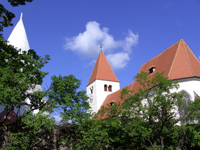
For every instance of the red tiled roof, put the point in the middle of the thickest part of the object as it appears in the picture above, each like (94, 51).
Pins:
(102, 70)
(177, 61)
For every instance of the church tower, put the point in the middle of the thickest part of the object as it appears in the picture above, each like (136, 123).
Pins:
(19, 40)
(102, 82)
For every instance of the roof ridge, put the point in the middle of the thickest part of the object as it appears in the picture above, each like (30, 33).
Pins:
(187, 57)
(174, 58)
(132, 84)
(98, 64)
(162, 52)
(192, 52)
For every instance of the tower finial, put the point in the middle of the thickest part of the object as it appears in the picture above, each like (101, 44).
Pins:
(21, 15)
(101, 46)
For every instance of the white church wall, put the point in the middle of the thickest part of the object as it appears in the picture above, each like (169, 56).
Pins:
(190, 85)
(99, 95)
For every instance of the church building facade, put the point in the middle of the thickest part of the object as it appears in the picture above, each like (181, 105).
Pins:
(178, 63)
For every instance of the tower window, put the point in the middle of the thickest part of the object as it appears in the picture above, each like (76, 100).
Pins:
(105, 87)
(152, 70)
(110, 88)
(91, 89)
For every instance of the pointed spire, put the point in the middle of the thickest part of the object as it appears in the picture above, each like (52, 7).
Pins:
(185, 63)
(18, 37)
(102, 70)
(21, 15)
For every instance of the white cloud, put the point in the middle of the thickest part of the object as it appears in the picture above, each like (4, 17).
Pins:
(118, 60)
(131, 40)
(199, 57)
(87, 44)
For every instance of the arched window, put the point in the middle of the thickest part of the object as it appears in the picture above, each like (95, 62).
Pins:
(183, 114)
(110, 88)
(105, 87)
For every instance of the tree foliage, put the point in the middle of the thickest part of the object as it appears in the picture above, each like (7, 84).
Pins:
(149, 117)
(20, 73)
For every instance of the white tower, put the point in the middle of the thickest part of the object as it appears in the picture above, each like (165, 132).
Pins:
(19, 40)
(18, 37)
(102, 82)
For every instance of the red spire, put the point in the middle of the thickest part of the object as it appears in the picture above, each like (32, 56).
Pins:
(185, 63)
(102, 70)
(177, 61)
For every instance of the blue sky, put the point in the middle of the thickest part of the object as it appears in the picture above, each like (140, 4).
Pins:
(132, 32)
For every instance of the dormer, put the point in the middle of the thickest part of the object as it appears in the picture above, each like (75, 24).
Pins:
(152, 69)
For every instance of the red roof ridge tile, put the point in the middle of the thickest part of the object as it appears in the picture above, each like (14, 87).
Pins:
(111, 68)
(192, 52)
(174, 57)
(187, 57)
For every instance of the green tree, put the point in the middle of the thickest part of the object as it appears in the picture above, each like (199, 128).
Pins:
(148, 118)
(20, 72)
(155, 107)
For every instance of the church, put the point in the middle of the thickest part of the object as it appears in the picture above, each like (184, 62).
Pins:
(178, 63)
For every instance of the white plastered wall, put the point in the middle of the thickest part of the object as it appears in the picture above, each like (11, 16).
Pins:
(190, 85)
(99, 95)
